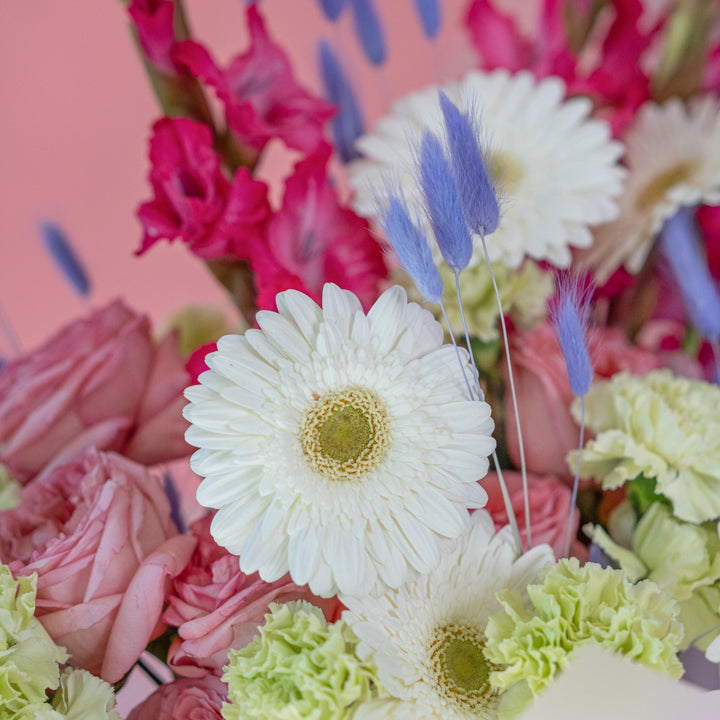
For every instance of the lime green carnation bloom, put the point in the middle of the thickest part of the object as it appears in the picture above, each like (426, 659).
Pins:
(576, 606)
(659, 426)
(299, 667)
(523, 292)
(681, 558)
(28, 657)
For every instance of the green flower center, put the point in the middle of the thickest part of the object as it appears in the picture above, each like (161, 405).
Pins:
(659, 186)
(465, 664)
(346, 434)
(507, 172)
(461, 670)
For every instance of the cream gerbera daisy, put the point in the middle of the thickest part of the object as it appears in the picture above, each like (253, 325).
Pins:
(673, 155)
(337, 446)
(556, 170)
(427, 638)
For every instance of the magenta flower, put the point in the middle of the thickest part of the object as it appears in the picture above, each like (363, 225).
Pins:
(261, 96)
(607, 69)
(194, 201)
(153, 20)
(313, 240)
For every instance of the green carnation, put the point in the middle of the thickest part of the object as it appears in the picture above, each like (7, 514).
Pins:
(298, 667)
(28, 656)
(662, 427)
(681, 558)
(576, 606)
(523, 292)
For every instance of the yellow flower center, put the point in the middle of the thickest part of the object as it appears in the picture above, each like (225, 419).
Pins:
(507, 172)
(346, 434)
(462, 672)
(659, 186)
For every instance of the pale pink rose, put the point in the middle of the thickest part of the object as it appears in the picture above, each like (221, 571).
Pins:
(184, 699)
(217, 608)
(99, 535)
(545, 397)
(549, 501)
(100, 382)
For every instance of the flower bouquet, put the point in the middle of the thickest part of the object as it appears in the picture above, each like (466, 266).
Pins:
(460, 441)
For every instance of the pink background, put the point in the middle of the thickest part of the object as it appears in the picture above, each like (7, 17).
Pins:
(73, 135)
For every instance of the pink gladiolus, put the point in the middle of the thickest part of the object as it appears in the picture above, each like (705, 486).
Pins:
(549, 509)
(312, 240)
(153, 20)
(501, 43)
(607, 68)
(261, 96)
(194, 201)
(98, 533)
(101, 382)
(193, 699)
(217, 608)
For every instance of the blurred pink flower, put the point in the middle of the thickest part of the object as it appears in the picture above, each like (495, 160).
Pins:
(184, 699)
(153, 20)
(261, 96)
(102, 382)
(196, 364)
(607, 69)
(544, 394)
(312, 240)
(502, 43)
(216, 607)
(549, 509)
(194, 201)
(708, 218)
(98, 533)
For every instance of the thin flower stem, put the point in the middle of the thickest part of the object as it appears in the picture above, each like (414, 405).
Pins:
(501, 478)
(523, 467)
(9, 332)
(508, 503)
(467, 335)
(576, 481)
(155, 678)
(457, 350)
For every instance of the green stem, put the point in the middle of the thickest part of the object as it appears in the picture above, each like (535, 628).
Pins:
(237, 278)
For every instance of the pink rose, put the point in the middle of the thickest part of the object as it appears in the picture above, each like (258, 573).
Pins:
(194, 201)
(184, 699)
(549, 509)
(102, 382)
(98, 533)
(216, 607)
(261, 96)
(312, 240)
(544, 394)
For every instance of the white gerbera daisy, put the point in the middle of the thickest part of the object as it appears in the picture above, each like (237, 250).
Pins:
(427, 638)
(556, 170)
(338, 446)
(673, 155)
